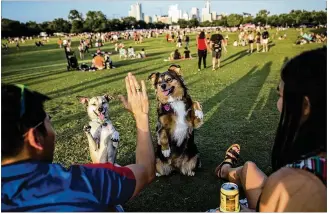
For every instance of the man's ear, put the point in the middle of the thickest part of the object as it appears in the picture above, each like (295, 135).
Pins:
(175, 68)
(306, 107)
(153, 78)
(33, 138)
(83, 100)
(108, 97)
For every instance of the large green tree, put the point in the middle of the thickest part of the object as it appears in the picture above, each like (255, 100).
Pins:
(234, 20)
(95, 21)
(60, 25)
(193, 22)
(183, 23)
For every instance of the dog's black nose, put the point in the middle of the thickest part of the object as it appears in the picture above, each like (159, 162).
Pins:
(163, 86)
(100, 109)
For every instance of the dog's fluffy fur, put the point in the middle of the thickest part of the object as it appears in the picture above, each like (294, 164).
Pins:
(178, 116)
(101, 134)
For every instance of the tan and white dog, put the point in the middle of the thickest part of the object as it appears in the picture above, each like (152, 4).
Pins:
(101, 134)
(178, 117)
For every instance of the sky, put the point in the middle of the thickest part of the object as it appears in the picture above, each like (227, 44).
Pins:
(46, 10)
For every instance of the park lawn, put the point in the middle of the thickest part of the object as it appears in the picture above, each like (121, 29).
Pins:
(239, 104)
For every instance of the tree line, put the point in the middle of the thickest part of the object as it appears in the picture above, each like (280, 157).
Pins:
(96, 21)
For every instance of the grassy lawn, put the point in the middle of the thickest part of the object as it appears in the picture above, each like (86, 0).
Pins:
(239, 104)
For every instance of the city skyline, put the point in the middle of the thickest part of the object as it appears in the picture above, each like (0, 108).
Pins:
(26, 11)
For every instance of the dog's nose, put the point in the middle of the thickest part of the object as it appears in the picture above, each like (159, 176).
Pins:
(100, 109)
(163, 86)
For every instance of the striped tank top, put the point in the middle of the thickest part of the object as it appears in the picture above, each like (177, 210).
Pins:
(315, 165)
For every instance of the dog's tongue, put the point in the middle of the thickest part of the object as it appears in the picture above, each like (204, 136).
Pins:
(101, 116)
(166, 92)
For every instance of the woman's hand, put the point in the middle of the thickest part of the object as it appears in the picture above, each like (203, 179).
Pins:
(137, 102)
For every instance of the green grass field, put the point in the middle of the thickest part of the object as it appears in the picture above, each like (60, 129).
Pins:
(239, 104)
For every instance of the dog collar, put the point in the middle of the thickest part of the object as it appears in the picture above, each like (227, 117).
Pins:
(167, 107)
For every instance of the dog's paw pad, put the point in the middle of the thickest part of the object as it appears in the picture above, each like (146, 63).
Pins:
(87, 128)
(199, 114)
(115, 136)
(158, 175)
(166, 153)
(192, 173)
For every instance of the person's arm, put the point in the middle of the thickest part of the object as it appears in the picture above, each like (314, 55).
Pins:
(293, 190)
(138, 104)
(197, 41)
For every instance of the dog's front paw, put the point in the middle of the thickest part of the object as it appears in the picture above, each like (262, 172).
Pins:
(87, 129)
(115, 144)
(191, 173)
(166, 152)
(199, 114)
(115, 136)
(158, 175)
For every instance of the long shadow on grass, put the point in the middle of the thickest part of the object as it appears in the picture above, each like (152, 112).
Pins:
(225, 123)
(36, 75)
(97, 82)
(237, 56)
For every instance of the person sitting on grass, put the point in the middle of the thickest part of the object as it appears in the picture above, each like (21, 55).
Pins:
(122, 53)
(30, 182)
(131, 52)
(108, 61)
(298, 180)
(187, 54)
(175, 55)
(98, 61)
(142, 54)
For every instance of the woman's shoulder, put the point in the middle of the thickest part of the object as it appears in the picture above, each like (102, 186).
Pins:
(290, 189)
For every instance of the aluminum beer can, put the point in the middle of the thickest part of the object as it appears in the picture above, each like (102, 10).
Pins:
(229, 198)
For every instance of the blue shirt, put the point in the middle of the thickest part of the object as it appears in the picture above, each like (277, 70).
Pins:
(39, 186)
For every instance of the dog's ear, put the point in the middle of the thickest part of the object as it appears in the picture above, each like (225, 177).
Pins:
(83, 100)
(153, 78)
(175, 68)
(108, 97)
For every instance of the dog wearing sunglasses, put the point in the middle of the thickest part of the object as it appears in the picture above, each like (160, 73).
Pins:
(101, 134)
(178, 116)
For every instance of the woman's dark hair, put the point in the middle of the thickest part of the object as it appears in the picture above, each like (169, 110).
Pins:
(21, 109)
(202, 35)
(303, 76)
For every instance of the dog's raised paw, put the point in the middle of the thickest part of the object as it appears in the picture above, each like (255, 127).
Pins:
(87, 128)
(199, 114)
(166, 152)
(115, 144)
(158, 175)
(115, 136)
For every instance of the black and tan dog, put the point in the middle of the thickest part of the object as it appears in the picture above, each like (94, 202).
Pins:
(178, 116)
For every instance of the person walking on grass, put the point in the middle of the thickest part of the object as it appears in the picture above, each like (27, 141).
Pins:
(187, 39)
(202, 49)
(31, 182)
(265, 36)
(217, 44)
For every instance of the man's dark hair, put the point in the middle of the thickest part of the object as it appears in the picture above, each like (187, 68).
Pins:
(21, 109)
(304, 75)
